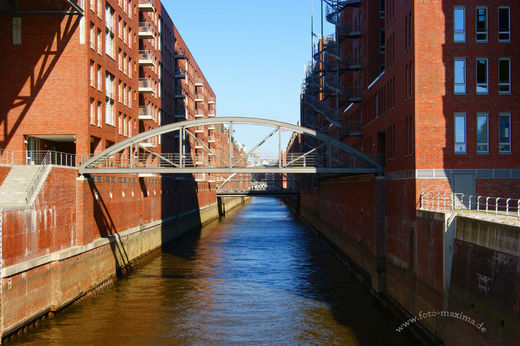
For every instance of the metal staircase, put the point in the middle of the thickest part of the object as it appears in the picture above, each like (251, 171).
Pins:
(323, 94)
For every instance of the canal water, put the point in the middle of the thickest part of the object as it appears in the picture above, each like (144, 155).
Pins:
(257, 277)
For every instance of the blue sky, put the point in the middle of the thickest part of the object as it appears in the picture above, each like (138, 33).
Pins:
(253, 54)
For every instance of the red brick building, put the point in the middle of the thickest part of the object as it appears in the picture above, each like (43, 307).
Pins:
(427, 89)
(79, 76)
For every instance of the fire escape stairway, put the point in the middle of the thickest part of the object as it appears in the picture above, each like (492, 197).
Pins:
(333, 16)
(17, 190)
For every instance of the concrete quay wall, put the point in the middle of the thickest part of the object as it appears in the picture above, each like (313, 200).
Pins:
(49, 261)
(453, 263)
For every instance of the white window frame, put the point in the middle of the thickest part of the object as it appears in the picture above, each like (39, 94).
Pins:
(99, 114)
(459, 31)
(92, 74)
(455, 84)
(99, 78)
(508, 32)
(92, 111)
(459, 147)
(93, 36)
(99, 41)
(480, 144)
(485, 32)
(482, 85)
(508, 143)
(502, 84)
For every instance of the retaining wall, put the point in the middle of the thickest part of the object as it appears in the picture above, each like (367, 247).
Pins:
(452, 263)
(48, 264)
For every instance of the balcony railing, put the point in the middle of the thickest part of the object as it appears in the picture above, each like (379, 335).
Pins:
(37, 157)
(199, 82)
(146, 58)
(179, 75)
(211, 100)
(146, 113)
(146, 5)
(146, 30)
(211, 139)
(212, 113)
(199, 98)
(146, 85)
(199, 113)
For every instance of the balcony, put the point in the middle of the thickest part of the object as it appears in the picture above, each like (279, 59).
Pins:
(146, 58)
(211, 100)
(146, 86)
(180, 55)
(146, 6)
(199, 113)
(211, 139)
(146, 145)
(199, 129)
(199, 98)
(212, 113)
(146, 113)
(199, 82)
(146, 30)
(179, 75)
(211, 127)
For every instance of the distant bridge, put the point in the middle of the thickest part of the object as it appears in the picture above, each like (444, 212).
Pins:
(135, 154)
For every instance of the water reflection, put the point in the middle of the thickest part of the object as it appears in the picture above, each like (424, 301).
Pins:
(258, 277)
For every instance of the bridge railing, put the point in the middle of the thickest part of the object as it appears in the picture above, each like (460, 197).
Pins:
(494, 208)
(165, 160)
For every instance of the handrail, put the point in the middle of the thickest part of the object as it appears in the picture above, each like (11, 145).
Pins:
(37, 178)
(495, 208)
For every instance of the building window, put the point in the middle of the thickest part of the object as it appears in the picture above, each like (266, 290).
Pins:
(109, 104)
(109, 43)
(504, 24)
(99, 114)
(92, 36)
(99, 78)
(482, 24)
(92, 112)
(382, 41)
(460, 76)
(459, 24)
(382, 8)
(482, 76)
(504, 135)
(482, 133)
(504, 75)
(120, 124)
(92, 74)
(409, 135)
(99, 43)
(460, 133)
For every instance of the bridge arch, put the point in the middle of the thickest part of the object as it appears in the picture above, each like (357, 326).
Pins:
(332, 153)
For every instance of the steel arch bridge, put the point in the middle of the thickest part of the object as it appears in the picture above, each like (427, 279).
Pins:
(135, 155)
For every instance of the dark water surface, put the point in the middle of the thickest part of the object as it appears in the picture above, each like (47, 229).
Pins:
(258, 277)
